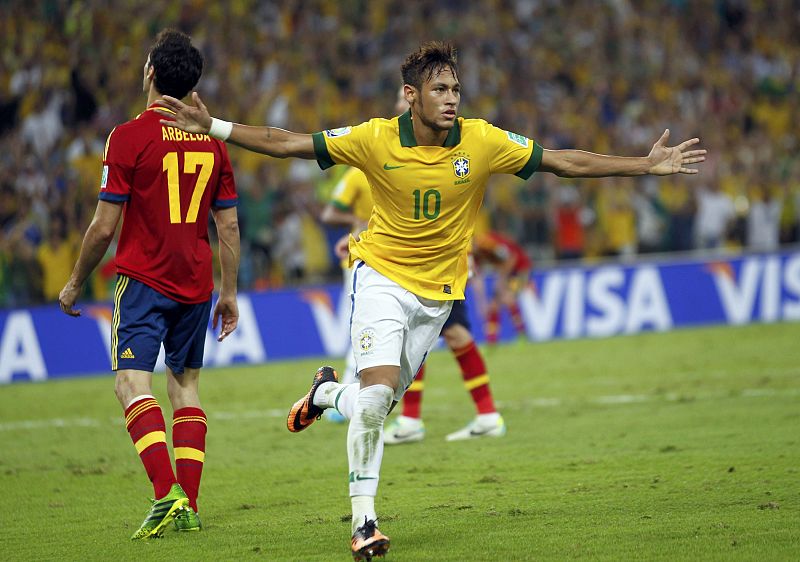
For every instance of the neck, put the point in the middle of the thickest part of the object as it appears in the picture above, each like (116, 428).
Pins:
(152, 95)
(427, 135)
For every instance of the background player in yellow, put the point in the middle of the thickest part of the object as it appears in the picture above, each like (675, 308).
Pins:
(351, 206)
(428, 170)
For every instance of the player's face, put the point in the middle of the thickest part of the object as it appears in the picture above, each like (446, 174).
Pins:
(436, 105)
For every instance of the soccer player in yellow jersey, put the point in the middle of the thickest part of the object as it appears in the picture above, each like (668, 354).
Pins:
(351, 205)
(428, 170)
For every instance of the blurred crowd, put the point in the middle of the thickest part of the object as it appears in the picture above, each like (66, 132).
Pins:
(607, 76)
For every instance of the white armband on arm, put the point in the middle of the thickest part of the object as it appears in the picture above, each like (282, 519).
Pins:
(220, 129)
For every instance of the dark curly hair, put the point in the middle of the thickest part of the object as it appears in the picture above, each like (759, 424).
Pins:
(177, 63)
(427, 61)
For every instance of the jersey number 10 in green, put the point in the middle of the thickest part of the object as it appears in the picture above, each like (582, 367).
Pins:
(424, 201)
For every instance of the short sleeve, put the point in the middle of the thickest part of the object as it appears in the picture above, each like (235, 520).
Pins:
(345, 192)
(345, 145)
(226, 195)
(119, 159)
(511, 153)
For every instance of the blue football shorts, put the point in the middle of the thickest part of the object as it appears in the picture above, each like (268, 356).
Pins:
(458, 315)
(144, 319)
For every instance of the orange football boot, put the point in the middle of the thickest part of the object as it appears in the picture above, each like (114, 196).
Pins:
(304, 412)
(368, 541)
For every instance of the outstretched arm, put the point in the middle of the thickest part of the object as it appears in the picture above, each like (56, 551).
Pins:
(271, 141)
(663, 160)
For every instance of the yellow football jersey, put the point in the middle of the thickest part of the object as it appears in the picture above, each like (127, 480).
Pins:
(426, 198)
(352, 194)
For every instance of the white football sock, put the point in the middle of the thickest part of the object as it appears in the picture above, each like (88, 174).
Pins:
(365, 439)
(339, 396)
(363, 507)
(346, 398)
(137, 398)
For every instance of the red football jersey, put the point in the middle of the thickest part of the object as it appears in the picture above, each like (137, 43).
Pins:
(168, 181)
(496, 248)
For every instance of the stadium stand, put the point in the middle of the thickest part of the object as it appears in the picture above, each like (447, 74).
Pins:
(590, 74)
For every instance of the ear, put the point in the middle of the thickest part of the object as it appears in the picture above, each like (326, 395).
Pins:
(410, 94)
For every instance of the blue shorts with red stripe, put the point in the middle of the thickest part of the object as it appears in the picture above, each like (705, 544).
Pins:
(144, 319)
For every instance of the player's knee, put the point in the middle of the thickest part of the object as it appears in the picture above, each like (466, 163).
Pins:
(121, 391)
(457, 336)
(182, 388)
(183, 396)
(127, 386)
(373, 404)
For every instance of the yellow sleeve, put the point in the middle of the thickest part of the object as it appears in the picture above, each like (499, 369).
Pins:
(345, 145)
(510, 153)
(347, 190)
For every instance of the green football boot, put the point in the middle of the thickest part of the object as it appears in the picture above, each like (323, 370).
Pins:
(161, 514)
(187, 520)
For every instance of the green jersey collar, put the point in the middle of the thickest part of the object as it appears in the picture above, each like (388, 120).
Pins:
(407, 138)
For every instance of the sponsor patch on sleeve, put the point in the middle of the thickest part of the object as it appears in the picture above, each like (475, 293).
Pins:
(340, 132)
(104, 178)
(519, 139)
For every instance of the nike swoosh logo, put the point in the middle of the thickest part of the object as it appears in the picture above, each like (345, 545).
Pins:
(401, 435)
(386, 166)
(477, 433)
(365, 477)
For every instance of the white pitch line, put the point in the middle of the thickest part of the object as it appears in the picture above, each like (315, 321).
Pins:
(610, 400)
(622, 399)
(48, 423)
(93, 422)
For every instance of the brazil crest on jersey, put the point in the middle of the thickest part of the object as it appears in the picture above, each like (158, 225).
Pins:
(169, 181)
(426, 197)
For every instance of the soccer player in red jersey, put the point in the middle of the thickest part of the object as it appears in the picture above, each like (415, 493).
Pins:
(513, 267)
(165, 182)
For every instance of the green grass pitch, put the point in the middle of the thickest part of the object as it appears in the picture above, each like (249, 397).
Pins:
(677, 446)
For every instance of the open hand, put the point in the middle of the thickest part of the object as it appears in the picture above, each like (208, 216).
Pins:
(192, 119)
(666, 160)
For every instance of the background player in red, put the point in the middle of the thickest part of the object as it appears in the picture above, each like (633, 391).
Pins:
(165, 183)
(512, 268)
(409, 427)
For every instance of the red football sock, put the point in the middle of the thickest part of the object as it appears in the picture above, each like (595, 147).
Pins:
(493, 326)
(412, 399)
(189, 444)
(145, 423)
(476, 380)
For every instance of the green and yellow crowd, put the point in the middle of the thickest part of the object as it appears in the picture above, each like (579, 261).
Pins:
(607, 76)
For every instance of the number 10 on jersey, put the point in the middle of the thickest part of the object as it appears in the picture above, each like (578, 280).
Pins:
(429, 203)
